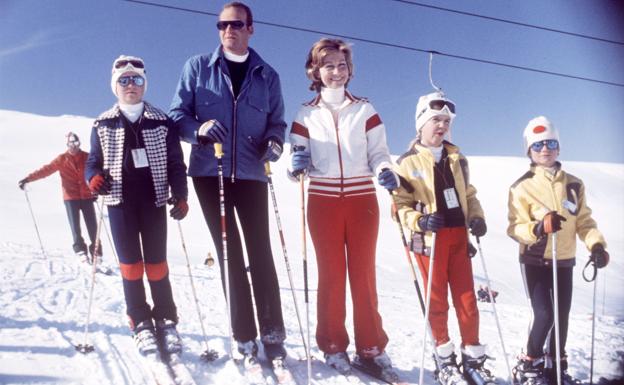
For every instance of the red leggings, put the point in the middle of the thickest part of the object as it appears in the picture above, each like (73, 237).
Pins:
(452, 267)
(344, 233)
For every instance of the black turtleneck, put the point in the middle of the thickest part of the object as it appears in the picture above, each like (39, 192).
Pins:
(237, 71)
(443, 179)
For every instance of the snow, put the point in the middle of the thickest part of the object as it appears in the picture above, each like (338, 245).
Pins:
(43, 299)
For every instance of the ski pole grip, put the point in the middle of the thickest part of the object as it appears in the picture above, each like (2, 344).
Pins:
(267, 169)
(218, 148)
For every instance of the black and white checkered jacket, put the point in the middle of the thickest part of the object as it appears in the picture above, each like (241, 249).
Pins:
(162, 145)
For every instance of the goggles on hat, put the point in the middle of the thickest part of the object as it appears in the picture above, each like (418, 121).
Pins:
(133, 62)
(550, 144)
(438, 105)
(73, 143)
(125, 81)
(234, 24)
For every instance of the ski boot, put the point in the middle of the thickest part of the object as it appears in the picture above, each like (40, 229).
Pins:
(378, 366)
(566, 378)
(249, 350)
(447, 372)
(339, 361)
(274, 351)
(529, 371)
(168, 337)
(145, 338)
(473, 358)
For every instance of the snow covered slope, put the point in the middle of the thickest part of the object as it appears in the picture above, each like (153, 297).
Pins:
(43, 300)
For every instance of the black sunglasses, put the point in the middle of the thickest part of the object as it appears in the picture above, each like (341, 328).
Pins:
(134, 63)
(125, 81)
(234, 24)
(551, 144)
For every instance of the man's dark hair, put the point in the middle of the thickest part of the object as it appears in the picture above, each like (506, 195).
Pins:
(244, 7)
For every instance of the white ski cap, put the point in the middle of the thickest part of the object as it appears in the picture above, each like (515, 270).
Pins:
(433, 104)
(72, 140)
(538, 129)
(126, 63)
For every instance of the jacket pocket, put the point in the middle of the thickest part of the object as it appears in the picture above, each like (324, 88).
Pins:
(210, 105)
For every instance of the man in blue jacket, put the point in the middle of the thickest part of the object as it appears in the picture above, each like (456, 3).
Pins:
(233, 97)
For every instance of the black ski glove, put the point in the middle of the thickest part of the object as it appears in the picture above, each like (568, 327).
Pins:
(477, 226)
(599, 256)
(211, 132)
(272, 150)
(22, 183)
(431, 222)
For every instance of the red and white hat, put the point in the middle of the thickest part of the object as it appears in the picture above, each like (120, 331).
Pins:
(126, 63)
(538, 129)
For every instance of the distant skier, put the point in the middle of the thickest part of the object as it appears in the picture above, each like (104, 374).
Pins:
(544, 201)
(135, 159)
(484, 296)
(76, 194)
(340, 141)
(436, 196)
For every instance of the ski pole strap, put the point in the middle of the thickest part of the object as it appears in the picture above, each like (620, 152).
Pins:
(218, 149)
(595, 272)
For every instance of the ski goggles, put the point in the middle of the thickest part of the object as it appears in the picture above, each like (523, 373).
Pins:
(73, 143)
(234, 24)
(133, 62)
(440, 104)
(550, 144)
(125, 81)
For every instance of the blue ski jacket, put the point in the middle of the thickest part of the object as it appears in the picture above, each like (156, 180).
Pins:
(204, 92)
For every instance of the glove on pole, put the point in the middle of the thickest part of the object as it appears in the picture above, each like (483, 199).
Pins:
(267, 171)
(218, 149)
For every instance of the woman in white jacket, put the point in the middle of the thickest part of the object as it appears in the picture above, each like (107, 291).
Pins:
(339, 140)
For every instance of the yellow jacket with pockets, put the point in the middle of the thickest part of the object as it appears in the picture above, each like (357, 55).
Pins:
(416, 167)
(538, 192)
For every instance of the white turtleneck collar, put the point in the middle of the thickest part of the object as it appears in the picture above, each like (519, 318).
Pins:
(234, 57)
(334, 97)
(132, 111)
(437, 152)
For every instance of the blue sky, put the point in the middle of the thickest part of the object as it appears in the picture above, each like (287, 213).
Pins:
(55, 59)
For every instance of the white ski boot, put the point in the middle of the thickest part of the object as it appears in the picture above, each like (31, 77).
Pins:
(473, 360)
(145, 338)
(339, 361)
(447, 372)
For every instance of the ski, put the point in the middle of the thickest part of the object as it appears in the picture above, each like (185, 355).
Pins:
(388, 375)
(180, 372)
(158, 368)
(282, 373)
(252, 370)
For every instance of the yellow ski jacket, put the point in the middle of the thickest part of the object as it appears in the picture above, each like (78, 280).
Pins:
(418, 198)
(535, 194)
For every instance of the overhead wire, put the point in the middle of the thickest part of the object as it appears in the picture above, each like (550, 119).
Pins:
(391, 45)
(507, 21)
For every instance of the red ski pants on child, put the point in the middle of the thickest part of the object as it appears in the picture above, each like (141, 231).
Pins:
(344, 233)
(451, 267)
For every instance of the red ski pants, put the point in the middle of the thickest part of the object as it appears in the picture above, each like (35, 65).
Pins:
(451, 267)
(344, 233)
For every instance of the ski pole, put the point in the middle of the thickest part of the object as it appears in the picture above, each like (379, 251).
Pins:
(85, 347)
(218, 148)
(556, 307)
(32, 214)
(305, 271)
(208, 354)
(500, 334)
(414, 277)
(427, 307)
(594, 278)
(267, 171)
(110, 241)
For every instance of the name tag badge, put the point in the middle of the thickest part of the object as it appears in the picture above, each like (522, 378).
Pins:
(139, 156)
(570, 206)
(451, 198)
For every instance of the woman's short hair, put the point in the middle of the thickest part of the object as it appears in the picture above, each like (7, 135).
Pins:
(317, 53)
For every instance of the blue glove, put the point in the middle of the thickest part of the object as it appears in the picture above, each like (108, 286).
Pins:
(300, 161)
(477, 226)
(388, 179)
(211, 132)
(272, 151)
(431, 222)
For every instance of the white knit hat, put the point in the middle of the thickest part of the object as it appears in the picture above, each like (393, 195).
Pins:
(539, 129)
(128, 67)
(426, 108)
(72, 140)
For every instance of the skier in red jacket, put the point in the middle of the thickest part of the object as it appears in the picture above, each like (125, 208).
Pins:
(76, 193)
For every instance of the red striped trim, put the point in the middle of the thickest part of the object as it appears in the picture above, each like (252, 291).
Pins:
(131, 271)
(338, 194)
(300, 130)
(338, 184)
(156, 271)
(373, 122)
